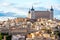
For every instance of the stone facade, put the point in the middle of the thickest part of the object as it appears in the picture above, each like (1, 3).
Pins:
(32, 14)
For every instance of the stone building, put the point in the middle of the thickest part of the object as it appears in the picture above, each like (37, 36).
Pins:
(33, 14)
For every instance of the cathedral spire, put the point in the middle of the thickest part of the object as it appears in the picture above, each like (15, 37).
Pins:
(32, 9)
(52, 8)
(29, 11)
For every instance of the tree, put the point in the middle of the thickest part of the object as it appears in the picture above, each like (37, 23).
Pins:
(0, 36)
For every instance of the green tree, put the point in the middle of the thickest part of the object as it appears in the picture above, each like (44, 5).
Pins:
(0, 36)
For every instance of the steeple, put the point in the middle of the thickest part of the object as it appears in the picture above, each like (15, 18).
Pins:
(29, 11)
(52, 8)
(32, 9)
(51, 14)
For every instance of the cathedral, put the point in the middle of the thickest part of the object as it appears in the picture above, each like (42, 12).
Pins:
(33, 14)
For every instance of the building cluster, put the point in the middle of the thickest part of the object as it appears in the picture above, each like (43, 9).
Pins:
(40, 29)
(39, 25)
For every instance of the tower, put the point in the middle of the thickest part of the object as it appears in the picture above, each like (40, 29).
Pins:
(29, 14)
(51, 12)
(32, 13)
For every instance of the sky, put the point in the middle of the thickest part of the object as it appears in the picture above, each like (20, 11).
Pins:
(18, 8)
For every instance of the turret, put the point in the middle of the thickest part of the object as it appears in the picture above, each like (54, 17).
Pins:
(51, 11)
(29, 14)
(32, 13)
(29, 11)
(32, 9)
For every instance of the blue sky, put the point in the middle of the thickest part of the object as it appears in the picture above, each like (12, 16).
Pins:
(21, 7)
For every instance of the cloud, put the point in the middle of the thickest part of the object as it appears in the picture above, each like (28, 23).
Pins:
(5, 4)
(57, 6)
(21, 7)
(47, 4)
(57, 17)
(9, 7)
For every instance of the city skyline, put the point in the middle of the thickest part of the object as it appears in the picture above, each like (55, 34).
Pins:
(17, 8)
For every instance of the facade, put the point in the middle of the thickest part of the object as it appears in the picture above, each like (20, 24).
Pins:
(32, 14)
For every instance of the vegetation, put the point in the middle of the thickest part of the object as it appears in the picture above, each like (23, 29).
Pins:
(8, 37)
(0, 36)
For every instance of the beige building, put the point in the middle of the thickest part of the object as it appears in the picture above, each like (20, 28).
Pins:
(32, 14)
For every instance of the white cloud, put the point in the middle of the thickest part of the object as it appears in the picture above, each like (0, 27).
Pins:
(7, 7)
(45, 4)
(6, 4)
(57, 16)
(57, 6)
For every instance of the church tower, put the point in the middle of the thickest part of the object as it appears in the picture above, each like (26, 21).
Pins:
(31, 13)
(51, 10)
